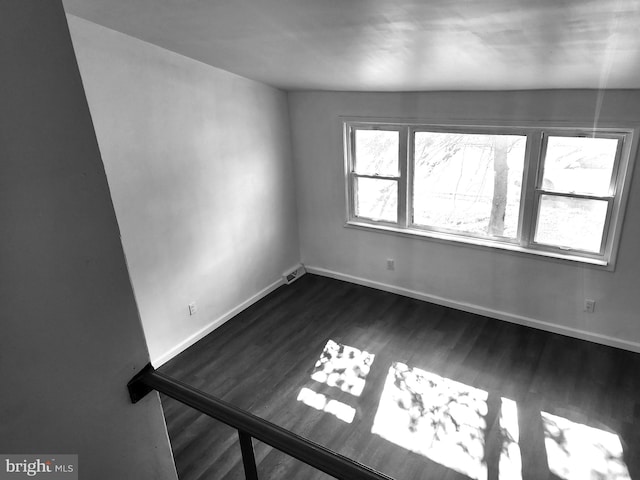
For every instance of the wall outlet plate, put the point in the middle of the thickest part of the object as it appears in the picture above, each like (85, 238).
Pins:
(589, 305)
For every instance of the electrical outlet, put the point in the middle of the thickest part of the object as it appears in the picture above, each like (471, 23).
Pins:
(589, 305)
(193, 308)
(391, 264)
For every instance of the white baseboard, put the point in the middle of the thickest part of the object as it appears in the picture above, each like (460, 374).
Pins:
(487, 312)
(164, 358)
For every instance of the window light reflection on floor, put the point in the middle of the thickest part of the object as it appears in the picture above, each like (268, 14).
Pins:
(321, 402)
(510, 464)
(444, 420)
(576, 451)
(343, 367)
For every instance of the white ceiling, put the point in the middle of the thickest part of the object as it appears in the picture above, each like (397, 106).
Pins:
(393, 45)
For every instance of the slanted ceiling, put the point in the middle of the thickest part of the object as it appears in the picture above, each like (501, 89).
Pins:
(383, 45)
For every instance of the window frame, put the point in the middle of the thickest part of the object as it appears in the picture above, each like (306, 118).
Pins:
(353, 175)
(610, 198)
(537, 136)
(473, 130)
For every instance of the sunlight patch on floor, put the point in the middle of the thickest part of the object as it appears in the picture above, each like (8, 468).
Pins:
(444, 420)
(343, 367)
(436, 417)
(320, 402)
(576, 451)
(510, 464)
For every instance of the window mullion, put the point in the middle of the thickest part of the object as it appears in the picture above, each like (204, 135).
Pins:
(607, 227)
(403, 185)
(352, 195)
(377, 177)
(529, 202)
(351, 176)
(582, 196)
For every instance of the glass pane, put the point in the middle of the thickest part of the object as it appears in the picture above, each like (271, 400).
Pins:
(575, 223)
(579, 165)
(468, 183)
(377, 152)
(377, 199)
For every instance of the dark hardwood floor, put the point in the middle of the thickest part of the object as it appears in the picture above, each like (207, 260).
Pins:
(448, 395)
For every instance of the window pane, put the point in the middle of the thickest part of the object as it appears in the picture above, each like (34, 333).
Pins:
(377, 152)
(579, 165)
(377, 199)
(575, 223)
(468, 183)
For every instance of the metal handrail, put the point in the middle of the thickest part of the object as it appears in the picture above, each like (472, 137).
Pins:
(250, 426)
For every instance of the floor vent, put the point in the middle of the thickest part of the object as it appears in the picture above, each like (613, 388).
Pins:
(292, 275)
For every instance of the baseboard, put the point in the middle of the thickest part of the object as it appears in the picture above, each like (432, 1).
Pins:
(487, 312)
(164, 358)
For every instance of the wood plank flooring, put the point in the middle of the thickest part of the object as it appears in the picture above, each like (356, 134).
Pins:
(576, 401)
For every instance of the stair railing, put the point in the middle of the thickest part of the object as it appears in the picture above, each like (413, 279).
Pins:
(249, 427)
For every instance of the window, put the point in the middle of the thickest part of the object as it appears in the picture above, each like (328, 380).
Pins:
(376, 174)
(555, 192)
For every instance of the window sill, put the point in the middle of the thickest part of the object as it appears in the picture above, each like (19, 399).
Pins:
(479, 243)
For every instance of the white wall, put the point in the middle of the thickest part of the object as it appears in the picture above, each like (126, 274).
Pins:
(525, 289)
(70, 334)
(199, 165)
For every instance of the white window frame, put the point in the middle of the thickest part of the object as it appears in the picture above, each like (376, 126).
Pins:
(536, 141)
(402, 172)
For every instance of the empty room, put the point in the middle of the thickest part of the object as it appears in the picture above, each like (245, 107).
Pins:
(284, 239)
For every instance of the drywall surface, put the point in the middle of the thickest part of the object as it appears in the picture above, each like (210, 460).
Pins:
(511, 285)
(199, 166)
(71, 335)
